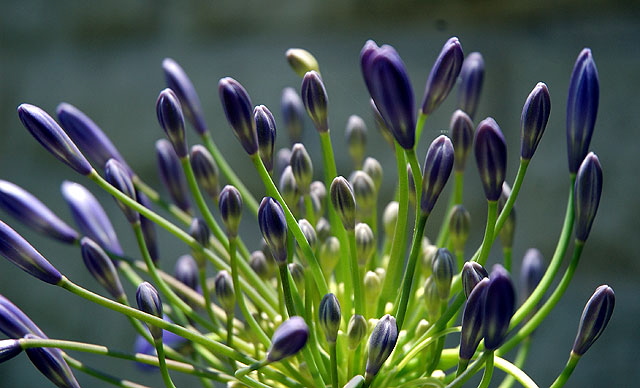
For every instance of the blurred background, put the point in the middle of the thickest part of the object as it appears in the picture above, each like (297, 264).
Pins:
(105, 58)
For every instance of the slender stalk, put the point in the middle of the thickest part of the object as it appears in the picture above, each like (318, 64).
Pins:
(567, 371)
(521, 357)
(488, 371)
(514, 372)
(162, 364)
(422, 118)
(113, 380)
(469, 372)
(356, 279)
(487, 241)
(333, 355)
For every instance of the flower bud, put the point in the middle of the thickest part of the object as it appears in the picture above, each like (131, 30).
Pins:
(230, 205)
(28, 209)
(390, 218)
(273, 226)
(148, 229)
(288, 339)
(594, 319)
(356, 137)
(461, 130)
(443, 75)
(15, 323)
(293, 113)
(588, 190)
(223, 288)
(9, 348)
(390, 89)
(329, 317)
(261, 265)
(365, 243)
(426, 255)
(297, 274)
(179, 82)
(373, 168)
(149, 302)
(459, 226)
(473, 320)
(582, 108)
(172, 175)
(381, 343)
(50, 363)
(471, 79)
(288, 187)
(364, 192)
(442, 271)
(186, 271)
(238, 108)
(118, 177)
(206, 170)
(323, 229)
(499, 307)
(302, 167)
(491, 157)
(49, 134)
(356, 330)
(314, 97)
(266, 130)
(329, 254)
(356, 382)
(472, 274)
(535, 115)
(199, 231)
(171, 120)
(509, 227)
(436, 171)
(432, 299)
(308, 231)
(531, 272)
(101, 267)
(344, 202)
(301, 61)
(372, 286)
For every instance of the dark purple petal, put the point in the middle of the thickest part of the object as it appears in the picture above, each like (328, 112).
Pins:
(180, 83)
(101, 267)
(50, 363)
(314, 97)
(381, 343)
(471, 79)
(171, 120)
(118, 177)
(288, 339)
(266, 129)
(149, 302)
(461, 130)
(535, 115)
(437, 169)
(273, 226)
(172, 174)
(239, 111)
(491, 157)
(473, 319)
(230, 205)
(588, 190)
(443, 75)
(594, 319)
(499, 307)
(293, 113)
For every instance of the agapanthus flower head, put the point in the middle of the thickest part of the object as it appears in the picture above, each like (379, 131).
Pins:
(356, 136)
(15, 323)
(491, 157)
(149, 301)
(50, 363)
(314, 97)
(588, 189)
(266, 130)
(177, 79)
(594, 319)
(381, 343)
(498, 308)
(329, 317)
(461, 131)
(223, 288)
(390, 89)
(206, 170)
(344, 201)
(531, 271)
(293, 113)
(101, 267)
(535, 115)
(230, 205)
(437, 168)
(171, 119)
(443, 75)
(118, 177)
(273, 226)
(471, 80)
(301, 61)
(473, 320)
(302, 167)
(288, 339)
(172, 174)
(238, 108)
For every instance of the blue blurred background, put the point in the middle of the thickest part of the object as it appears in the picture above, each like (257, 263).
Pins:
(105, 58)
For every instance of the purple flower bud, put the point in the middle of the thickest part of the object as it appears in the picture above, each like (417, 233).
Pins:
(344, 202)
(273, 226)
(200, 231)
(14, 323)
(356, 137)
(223, 288)
(171, 120)
(594, 320)
(442, 269)
(283, 157)
(50, 363)
(314, 97)
(28, 209)
(101, 267)
(239, 111)
(90, 217)
(443, 76)
(472, 274)
(118, 177)
(293, 113)
(48, 133)
(461, 130)
(471, 79)
(288, 339)
(499, 307)
(301, 61)
(186, 271)
(206, 170)
(437, 169)
(473, 320)
(149, 302)
(302, 167)
(588, 190)
(535, 115)
(365, 243)
(459, 226)
(390, 89)
(180, 83)
(266, 129)
(491, 157)
(329, 317)
(9, 348)
(531, 272)
(582, 108)
(381, 343)
(231, 209)
(18, 251)
(172, 174)
(148, 229)
(88, 136)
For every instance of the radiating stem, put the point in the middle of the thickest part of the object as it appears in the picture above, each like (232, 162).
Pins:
(567, 371)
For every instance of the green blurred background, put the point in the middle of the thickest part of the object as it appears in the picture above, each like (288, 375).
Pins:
(105, 58)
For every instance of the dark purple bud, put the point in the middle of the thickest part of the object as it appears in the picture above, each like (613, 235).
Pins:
(472, 274)
(531, 272)
(223, 288)
(498, 308)
(230, 205)
(491, 157)
(344, 202)
(101, 267)
(206, 170)
(442, 269)
(302, 167)
(48, 133)
(437, 169)
(288, 339)
(301, 61)
(182, 86)
(149, 302)
(9, 348)
(148, 229)
(373, 168)
(266, 129)
(90, 217)
(273, 226)
(443, 75)
(588, 190)
(28, 209)
(356, 137)
(461, 130)
(508, 230)
(473, 320)
(293, 113)
(594, 320)
(186, 271)
(88, 136)
(171, 120)
(239, 111)
(50, 363)
(471, 79)
(582, 108)
(262, 265)
(117, 176)
(535, 115)
(329, 317)
(200, 231)
(356, 331)
(314, 97)
(381, 343)
(365, 243)
(14, 323)
(389, 87)
(172, 175)
(459, 226)
(18, 251)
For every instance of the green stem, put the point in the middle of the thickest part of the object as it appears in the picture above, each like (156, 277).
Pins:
(286, 289)
(515, 190)
(488, 372)
(113, 380)
(487, 241)
(422, 118)
(470, 371)
(567, 371)
(333, 355)
(153, 195)
(162, 364)
(515, 372)
(521, 357)
(454, 199)
(356, 279)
